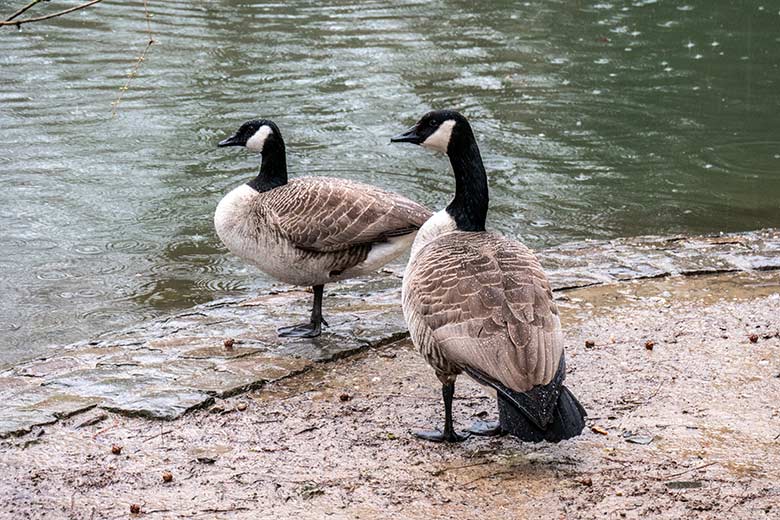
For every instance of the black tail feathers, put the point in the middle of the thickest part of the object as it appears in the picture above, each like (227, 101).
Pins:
(568, 420)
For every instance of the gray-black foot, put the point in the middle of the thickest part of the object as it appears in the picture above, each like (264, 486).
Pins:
(486, 429)
(302, 330)
(437, 436)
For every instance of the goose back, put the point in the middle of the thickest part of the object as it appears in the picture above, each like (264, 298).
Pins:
(481, 301)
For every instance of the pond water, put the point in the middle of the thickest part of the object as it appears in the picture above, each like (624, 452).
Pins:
(595, 119)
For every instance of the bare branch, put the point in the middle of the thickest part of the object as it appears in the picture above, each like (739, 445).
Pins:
(23, 9)
(17, 23)
(138, 61)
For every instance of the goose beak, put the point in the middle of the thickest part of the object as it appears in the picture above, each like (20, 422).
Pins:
(410, 136)
(230, 141)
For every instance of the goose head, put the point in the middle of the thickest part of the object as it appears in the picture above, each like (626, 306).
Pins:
(444, 131)
(258, 135)
(449, 132)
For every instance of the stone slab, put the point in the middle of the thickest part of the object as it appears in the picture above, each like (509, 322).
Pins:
(166, 367)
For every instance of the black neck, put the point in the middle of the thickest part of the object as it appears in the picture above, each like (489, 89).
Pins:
(273, 170)
(470, 205)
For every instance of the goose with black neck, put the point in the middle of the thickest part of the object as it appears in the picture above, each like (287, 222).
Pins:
(479, 303)
(310, 231)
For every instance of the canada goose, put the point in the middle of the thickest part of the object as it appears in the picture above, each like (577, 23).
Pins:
(478, 302)
(312, 230)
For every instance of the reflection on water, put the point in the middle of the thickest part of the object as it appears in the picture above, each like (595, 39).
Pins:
(596, 119)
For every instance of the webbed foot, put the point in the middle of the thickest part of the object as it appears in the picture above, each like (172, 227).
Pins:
(302, 330)
(437, 436)
(486, 429)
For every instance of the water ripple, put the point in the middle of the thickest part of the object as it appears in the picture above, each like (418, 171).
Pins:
(594, 120)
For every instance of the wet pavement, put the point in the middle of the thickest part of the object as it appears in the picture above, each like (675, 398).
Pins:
(680, 377)
(167, 367)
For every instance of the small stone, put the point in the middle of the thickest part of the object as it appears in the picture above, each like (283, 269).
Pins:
(345, 397)
(241, 406)
(135, 509)
(116, 449)
(599, 430)
(229, 342)
(753, 338)
(649, 344)
(167, 476)
(589, 343)
(586, 481)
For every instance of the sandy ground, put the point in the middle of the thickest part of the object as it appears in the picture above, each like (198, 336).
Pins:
(701, 407)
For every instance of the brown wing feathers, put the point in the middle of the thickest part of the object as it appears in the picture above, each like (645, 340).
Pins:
(331, 215)
(489, 307)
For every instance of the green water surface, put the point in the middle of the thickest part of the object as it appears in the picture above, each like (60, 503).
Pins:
(595, 119)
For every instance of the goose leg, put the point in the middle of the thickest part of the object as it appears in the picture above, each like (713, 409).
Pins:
(311, 329)
(449, 434)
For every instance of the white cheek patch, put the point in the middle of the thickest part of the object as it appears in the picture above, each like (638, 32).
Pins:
(440, 139)
(257, 141)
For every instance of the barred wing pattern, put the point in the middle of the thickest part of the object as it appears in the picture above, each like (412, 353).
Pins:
(325, 215)
(482, 301)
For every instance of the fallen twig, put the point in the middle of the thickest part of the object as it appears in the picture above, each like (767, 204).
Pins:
(489, 475)
(667, 477)
(443, 470)
(11, 21)
(157, 435)
(644, 403)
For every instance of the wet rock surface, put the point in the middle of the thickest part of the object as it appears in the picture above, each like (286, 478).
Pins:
(167, 367)
(597, 262)
(689, 429)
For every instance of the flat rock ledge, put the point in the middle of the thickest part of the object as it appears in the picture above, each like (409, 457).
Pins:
(167, 367)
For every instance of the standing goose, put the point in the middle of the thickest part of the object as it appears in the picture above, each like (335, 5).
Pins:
(312, 230)
(479, 303)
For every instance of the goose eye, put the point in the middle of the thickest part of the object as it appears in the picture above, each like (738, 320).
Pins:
(433, 123)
